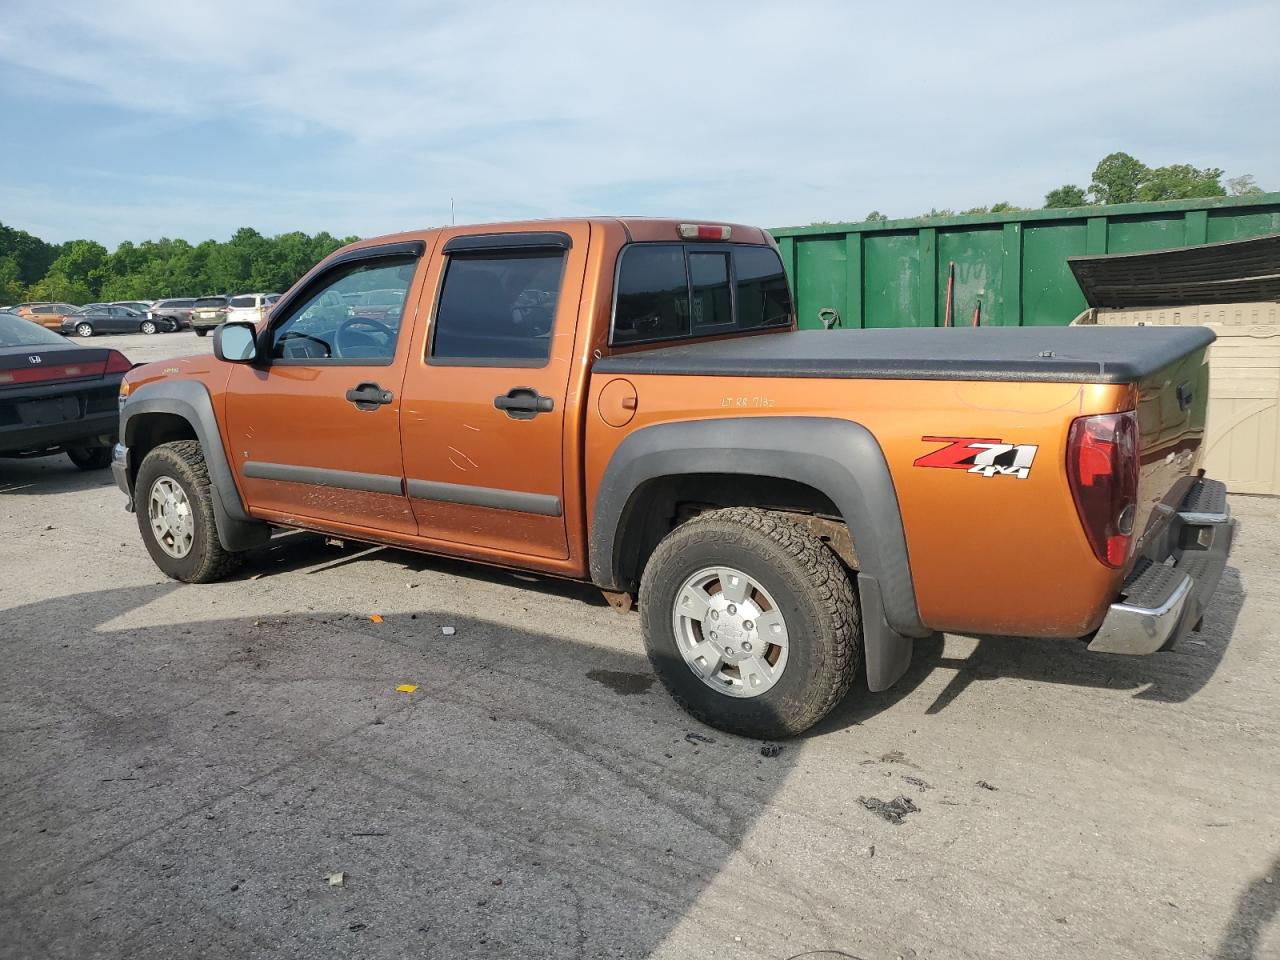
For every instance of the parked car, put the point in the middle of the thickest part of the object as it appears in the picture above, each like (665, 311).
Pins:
(46, 314)
(57, 396)
(628, 402)
(208, 313)
(178, 309)
(250, 307)
(142, 306)
(376, 304)
(87, 321)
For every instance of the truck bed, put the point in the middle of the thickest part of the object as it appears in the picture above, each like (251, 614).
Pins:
(1017, 354)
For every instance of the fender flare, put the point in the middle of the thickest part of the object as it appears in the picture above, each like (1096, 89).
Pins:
(839, 458)
(190, 400)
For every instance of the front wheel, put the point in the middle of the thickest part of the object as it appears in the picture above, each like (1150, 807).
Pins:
(148, 327)
(750, 622)
(175, 514)
(90, 458)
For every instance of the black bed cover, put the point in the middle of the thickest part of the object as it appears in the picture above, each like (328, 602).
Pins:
(1082, 354)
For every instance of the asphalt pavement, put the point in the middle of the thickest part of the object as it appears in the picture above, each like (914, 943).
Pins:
(183, 769)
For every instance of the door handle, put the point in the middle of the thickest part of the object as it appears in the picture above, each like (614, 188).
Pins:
(523, 403)
(369, 396)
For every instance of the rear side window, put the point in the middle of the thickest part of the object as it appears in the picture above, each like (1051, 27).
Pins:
(497, 308)
(674, 291)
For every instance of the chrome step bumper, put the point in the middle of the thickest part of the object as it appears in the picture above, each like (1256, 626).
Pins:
(1166, 594)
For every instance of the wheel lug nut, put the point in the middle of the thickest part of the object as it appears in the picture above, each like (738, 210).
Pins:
(732, 609)
(715, 614)
(748, 625)
(713, 634)
(746, 648)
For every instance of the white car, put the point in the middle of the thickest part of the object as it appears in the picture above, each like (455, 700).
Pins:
(250, 307)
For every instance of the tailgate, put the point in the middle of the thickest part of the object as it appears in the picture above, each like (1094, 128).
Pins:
(1172, 406)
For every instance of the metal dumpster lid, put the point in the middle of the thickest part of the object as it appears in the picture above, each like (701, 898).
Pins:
(1235, 271)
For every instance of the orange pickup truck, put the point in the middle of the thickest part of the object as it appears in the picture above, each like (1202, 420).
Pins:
(627, 401)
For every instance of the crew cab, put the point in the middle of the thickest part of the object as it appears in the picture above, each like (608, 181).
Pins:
(628, 402)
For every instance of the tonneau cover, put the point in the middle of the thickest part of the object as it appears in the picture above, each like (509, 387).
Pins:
(1048, 354)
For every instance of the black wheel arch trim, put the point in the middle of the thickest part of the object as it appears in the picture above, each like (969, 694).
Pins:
(190, 400)
(839, 458)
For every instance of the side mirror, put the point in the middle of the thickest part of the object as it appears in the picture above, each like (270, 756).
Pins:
(235, 342)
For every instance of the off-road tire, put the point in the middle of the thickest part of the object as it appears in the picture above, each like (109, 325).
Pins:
(90, 458)
(813, 592)
(183, 461)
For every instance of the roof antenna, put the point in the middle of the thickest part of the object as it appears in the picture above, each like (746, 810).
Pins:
(453, 219)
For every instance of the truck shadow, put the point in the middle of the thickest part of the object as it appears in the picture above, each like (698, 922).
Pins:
(1169, 677)
(1257, 906)
(534, 796)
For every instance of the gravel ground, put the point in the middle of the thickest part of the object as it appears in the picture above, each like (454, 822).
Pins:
(181, 767)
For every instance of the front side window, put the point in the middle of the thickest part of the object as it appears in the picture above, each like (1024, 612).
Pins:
(322, 326)
(496, 307)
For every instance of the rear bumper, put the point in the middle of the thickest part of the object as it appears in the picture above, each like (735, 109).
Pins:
(1172, 583)
(70, 417)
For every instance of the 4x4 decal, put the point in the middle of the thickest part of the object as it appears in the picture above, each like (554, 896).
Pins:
(988, 458)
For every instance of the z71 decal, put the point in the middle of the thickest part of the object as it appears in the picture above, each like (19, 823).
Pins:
(990, 458)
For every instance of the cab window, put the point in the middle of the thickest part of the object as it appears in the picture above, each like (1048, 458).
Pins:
(671, 291)
(325, 326)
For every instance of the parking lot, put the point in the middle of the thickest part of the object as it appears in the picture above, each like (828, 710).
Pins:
(184, 766)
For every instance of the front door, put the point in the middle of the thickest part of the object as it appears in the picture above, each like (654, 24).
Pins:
(314, 431)
(484, 395)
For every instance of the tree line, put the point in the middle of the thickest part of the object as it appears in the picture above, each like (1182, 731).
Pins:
(83, 271)
(1121, 178)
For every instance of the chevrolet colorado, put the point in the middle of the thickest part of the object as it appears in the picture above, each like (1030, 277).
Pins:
(628, 402)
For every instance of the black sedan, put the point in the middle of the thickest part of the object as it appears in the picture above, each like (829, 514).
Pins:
(87, 321)
(57, 396)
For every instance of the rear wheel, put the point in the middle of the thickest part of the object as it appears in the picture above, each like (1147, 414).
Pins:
(90, 458)
(84, 330)
(750, 622)
(175, 514)
(148, 327)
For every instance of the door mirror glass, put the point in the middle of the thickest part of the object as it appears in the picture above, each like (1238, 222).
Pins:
(235, 342)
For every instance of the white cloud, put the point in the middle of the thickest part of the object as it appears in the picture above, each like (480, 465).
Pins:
(767, 112)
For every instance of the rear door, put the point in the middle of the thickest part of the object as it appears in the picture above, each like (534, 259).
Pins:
(484, 396)
(314, 432)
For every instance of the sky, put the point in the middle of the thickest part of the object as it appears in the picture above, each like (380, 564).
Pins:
(129, 120)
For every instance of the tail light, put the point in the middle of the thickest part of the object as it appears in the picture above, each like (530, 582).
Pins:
(117, 362)
(1102, 465)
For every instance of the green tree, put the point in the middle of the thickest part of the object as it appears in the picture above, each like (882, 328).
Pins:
(1117, 178)
(81, 265)
(11, 285)
(32, 255)
(1181, 181)
(1067, 195)
(875, 216)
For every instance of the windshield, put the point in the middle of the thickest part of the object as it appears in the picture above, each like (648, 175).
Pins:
(16, 331)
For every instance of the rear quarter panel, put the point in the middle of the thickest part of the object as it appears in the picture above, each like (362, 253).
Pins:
(989, 555)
